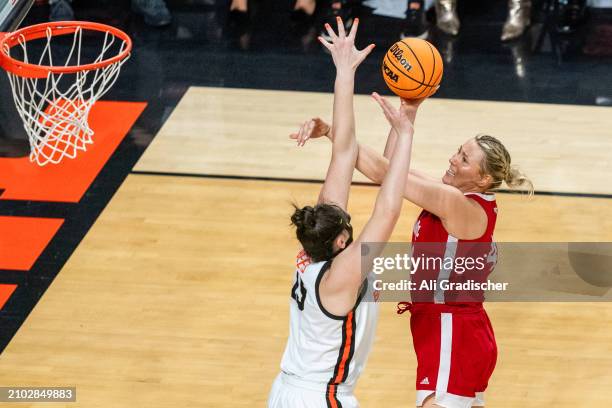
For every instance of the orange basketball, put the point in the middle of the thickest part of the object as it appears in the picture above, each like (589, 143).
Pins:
(412, 68)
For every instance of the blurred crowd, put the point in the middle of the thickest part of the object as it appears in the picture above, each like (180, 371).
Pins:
(568, 16)
(420, 15)
(154, 12)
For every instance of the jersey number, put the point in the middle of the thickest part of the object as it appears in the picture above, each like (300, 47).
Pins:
(298, 292)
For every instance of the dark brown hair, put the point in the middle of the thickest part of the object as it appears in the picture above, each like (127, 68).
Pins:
(317, 227)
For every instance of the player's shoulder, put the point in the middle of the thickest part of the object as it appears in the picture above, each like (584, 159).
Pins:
(485, 200)
(486, 197)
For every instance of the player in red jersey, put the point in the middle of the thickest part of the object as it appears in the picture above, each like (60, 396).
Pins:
(452, 335)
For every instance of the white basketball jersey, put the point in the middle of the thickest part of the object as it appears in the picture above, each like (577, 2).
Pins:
(324, 348)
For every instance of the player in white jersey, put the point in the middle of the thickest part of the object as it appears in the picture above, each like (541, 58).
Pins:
(331, 329)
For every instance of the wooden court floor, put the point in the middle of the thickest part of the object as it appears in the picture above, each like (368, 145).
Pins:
(178, 297)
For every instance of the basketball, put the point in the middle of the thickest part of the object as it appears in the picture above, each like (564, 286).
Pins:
(412, 68)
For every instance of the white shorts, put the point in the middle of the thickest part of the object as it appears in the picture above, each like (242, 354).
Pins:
(288, 392)
(451, 400)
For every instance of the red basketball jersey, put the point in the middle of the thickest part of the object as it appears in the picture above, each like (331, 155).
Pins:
(431, 241)
(452, 335)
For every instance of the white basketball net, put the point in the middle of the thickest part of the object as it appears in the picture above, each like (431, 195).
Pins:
(55, 109)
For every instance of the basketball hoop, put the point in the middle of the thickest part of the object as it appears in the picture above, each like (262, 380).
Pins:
(56, 79)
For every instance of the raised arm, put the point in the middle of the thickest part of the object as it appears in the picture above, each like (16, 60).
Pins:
(367, 157)
(392, 137)
(344, 147)
(340, 286)
(390, 145)
(461, 217)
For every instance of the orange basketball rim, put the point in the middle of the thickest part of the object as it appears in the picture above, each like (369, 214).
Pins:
(55, 82)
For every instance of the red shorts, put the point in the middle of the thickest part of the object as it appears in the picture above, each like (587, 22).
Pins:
(456, 353)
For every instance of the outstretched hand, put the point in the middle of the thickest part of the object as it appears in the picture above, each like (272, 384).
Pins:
(402, 119)
(311, 129)
(342, 47)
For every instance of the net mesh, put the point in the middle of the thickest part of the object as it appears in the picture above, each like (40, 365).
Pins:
(55, 109)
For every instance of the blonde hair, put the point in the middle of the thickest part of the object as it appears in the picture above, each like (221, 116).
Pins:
(497, 164)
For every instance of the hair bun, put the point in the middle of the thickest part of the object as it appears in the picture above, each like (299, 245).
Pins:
(516, 179)
(304, 217)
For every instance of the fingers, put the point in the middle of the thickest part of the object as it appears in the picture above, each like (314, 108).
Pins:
(341, 32)
(378, 99)
(365, 52)
(307, 132)
(298, 136)
(394, 117)
(331, 32)
(303, 134)
(325, 43)
(381, 101)
(353, 31)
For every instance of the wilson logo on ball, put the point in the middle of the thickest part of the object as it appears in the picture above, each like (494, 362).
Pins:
(399, 56)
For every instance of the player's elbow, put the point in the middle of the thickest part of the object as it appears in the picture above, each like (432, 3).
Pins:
(375, 172)
(379, 174)
(348, 150)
